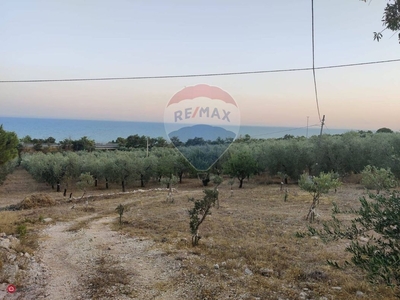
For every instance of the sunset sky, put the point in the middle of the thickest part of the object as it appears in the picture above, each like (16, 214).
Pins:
(90, 39)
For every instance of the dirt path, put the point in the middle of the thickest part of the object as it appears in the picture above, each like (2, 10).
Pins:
(96, 262)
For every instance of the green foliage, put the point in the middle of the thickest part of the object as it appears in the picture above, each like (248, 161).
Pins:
(120, 210)
(390, 19)
(21, 230)
(85, 180)
(202, 156)
(384, 130)
(317, 186)
(380, 256)
(240, 164)
(374, 235)
(199, 212)
(378, 179)
(285, 198)
(169, 182)
(50, 168)
(83, 144)
(8, 145)
(335, 209)
(7, 168)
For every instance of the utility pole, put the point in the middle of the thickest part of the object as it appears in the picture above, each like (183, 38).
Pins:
(322, 126)
(307, 128)
(318, 158)
(147, 146)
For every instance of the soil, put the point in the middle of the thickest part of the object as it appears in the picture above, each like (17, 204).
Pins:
(248, 248)
(92, 262)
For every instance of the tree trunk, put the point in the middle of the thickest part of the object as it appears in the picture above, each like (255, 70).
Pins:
(141, 180)
(65, 192)
(240, 183)
(311, 212)
(180, 177)
(95, 181)
(58, 187)
(123, 186)
(107, 183)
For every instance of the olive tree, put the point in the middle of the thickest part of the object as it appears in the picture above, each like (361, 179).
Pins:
(200, 211)
(240, 163)
(377, 179)
(8, 145)
(120, 167)
(317, 186)
(49, 168)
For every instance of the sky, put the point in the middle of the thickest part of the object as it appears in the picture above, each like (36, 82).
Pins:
(92, 39)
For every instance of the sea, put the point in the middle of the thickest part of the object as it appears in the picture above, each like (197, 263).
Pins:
(108, 131)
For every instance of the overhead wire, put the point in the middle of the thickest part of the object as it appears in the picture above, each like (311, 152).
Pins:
(313, 58)
(204, 74)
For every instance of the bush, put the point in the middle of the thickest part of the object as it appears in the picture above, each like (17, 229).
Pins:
(380, 256)
(199, 212)
(21, 230)
(317, 186)
(378, 251)
(377, 179)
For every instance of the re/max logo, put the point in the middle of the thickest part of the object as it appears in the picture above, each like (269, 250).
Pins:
(201, 112)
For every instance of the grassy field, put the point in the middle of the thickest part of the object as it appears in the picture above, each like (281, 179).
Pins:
(255, 246)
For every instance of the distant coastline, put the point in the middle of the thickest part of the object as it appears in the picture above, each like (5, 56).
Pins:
(107, 131)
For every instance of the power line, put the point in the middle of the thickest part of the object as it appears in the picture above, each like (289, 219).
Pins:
(313, 58)
(204, 74)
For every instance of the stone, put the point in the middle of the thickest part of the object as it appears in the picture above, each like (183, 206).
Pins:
(5, 243)
(247, 271)
(359, 294)
(303, 295)
(11, 258)
(27, 255)
(223, 264)
(216, 266)
(47, 220)
(336, 288)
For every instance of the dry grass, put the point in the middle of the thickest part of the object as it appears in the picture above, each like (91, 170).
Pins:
(107, 278)
(36, 200)
(254, 229)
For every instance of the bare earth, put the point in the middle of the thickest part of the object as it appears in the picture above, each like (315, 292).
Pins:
(91, 262)
(72, 259)
(255, 246)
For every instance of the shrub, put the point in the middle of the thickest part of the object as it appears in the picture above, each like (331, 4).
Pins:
(317, 186)
(199, 212)
(377, 179)
(380, 256)
(120, 210)
(21, 230)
